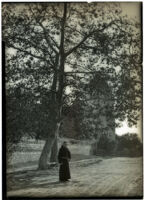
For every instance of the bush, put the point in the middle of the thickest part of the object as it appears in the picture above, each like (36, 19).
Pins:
(104, 147)
(129, 145)
(125, 145)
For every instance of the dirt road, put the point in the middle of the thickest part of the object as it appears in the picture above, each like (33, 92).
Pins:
(110, 177)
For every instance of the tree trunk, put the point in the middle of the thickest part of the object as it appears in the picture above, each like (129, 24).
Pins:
(45, 153)
(54, 151)
(93, 149)
(56, 109)
(47, 148)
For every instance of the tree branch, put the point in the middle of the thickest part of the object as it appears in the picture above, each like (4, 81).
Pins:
(26, 52)
(54, 42)
(87, 36)
(37, 47)
(31, 43)
(75, 30)
(48, 42)
(69, 73)
(74, 48)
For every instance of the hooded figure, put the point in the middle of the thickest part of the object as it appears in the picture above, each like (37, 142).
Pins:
(64, 157)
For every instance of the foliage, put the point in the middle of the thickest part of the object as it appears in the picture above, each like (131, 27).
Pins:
(45, 40)
(105, 146)
(94, 106)
(129, 145)
(125, 145)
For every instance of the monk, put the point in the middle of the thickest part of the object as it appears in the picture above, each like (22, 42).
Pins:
(64, 157)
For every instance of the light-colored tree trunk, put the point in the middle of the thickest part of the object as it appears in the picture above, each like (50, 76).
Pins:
(45, 153)
(47, 149)
(54, 151)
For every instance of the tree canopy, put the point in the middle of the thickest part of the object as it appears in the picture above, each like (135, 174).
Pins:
(53, 47)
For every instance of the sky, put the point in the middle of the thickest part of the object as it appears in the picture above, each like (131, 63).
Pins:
(132, 9)
(125, 129)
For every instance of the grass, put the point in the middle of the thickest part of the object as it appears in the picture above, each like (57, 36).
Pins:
(29, 152)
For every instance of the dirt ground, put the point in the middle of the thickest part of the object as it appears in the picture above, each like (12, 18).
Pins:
(94, 177)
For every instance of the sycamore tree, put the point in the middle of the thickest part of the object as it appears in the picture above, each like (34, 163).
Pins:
(60, 43)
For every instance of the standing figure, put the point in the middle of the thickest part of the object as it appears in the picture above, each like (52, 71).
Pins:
(64, 157)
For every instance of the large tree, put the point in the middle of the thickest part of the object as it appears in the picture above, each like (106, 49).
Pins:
(80, 37)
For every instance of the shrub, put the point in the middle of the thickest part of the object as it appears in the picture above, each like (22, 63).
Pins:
(128, 145)
(103, 147)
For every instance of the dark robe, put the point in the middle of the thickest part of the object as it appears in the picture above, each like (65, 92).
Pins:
(64, 156)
